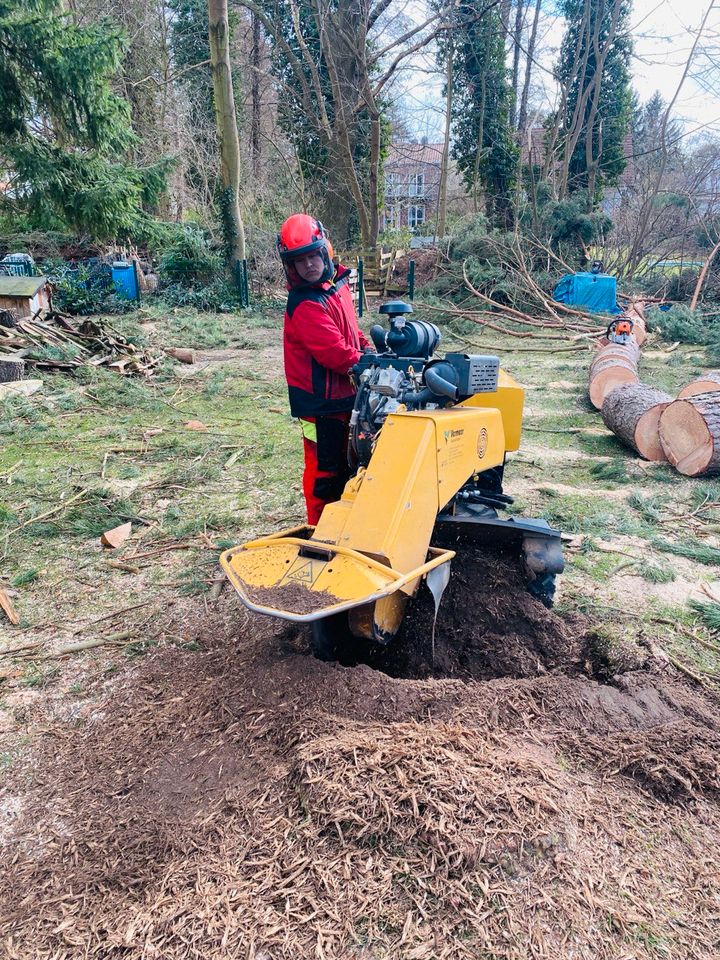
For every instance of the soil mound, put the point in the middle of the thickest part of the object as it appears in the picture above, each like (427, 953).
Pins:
(247, 800)
(488, 626)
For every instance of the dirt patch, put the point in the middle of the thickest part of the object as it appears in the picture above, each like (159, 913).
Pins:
(249, 800)
(293, 597)
(488, 626)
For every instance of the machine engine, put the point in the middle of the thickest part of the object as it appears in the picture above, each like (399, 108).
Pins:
(402, 376)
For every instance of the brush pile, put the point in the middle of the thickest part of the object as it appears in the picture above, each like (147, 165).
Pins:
(502, 283)
(57, 342)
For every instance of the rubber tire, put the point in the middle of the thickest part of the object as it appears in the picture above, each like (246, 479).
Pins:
(328, 636)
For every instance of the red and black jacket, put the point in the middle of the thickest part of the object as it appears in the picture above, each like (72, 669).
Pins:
(321, 342)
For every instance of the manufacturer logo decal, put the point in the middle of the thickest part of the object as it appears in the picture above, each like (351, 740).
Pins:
(482, 443)
(452, 434)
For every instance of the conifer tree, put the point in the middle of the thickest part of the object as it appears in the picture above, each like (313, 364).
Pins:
(484, 146)
(63, 133)
(593, 72)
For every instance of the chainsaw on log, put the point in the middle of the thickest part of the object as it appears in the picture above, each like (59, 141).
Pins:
(620, 330)
(428, 442)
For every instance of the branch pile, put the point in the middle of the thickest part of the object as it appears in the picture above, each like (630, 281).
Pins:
(56, 342)
(518, 307)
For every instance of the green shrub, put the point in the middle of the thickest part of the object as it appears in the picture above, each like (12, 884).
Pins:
(189, 261)
(218, 296)
(81, 293)
(683, 324)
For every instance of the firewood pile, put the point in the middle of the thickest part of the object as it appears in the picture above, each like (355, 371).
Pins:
(59, 342)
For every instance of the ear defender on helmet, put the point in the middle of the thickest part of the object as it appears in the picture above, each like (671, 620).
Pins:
(301, 234)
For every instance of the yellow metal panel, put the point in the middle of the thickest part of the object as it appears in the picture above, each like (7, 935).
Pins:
(395, 509)
(508, 399)
(468, 441)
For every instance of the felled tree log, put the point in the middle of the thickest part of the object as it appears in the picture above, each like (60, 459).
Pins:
(707, 383)
(632, 411)
(690, 434)
(614, 364)
(636, 312)
(11, 369)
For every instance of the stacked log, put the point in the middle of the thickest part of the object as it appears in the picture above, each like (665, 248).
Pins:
(632, 411)
(11, 369)
(685, 431)
(707, 383)
(690, 434)
(614, 365)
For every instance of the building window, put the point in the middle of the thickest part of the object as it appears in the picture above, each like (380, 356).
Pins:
(416, 217)
(417, 185)
(392, 184)
(391, 217)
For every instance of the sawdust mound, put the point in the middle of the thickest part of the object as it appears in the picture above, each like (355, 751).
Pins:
(250, 801)
(488, 626)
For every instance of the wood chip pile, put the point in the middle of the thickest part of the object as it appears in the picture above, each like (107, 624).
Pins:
(59, 342)
(250, 802)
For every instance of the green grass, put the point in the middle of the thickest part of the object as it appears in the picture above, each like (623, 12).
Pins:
(710, 556)
(709, 612)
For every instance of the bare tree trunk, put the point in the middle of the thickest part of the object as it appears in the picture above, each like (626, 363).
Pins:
(219, 36)
(636, 253)
(445, 164)
(519, 14)
(255, 97)
(522, 117)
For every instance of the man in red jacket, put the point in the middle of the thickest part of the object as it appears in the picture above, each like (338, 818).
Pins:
(321, 342)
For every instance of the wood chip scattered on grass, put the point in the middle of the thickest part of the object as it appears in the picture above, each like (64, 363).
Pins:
(6, 605)
(117, 536)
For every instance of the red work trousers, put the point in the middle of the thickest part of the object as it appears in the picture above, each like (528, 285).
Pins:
(325, 441)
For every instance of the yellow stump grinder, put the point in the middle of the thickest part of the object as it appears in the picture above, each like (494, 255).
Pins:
(428, 440)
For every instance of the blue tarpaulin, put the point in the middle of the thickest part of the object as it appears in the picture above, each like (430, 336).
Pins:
(596, 292)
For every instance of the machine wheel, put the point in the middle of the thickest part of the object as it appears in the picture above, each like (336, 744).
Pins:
(329, 636)
(543, 588)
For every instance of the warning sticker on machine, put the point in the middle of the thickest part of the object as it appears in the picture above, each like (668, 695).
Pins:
(304, 570)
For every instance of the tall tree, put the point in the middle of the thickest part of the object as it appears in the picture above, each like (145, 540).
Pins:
(229, 143)
(63, 133)
(484, 146)
(595, 112)
(334, 60)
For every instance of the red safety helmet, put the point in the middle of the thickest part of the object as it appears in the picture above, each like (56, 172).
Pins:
(301, 234)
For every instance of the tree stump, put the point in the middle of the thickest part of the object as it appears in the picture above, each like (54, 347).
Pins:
(614, 364)
(707, 383)
(11, 369)
(690, 434)
(632, 411)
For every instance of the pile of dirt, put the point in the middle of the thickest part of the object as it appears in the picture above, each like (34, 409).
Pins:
(425, 266)
(247, 800)
(487, 626)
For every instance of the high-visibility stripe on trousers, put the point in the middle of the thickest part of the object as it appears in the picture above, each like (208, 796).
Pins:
(325, 441)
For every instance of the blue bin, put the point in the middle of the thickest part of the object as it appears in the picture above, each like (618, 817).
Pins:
(125, 279)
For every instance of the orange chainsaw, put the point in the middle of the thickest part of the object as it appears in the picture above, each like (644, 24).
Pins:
(620, 329)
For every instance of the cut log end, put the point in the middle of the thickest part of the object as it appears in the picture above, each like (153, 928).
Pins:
(647, 435)
(688, 439)
(606, 381)
(708, 383)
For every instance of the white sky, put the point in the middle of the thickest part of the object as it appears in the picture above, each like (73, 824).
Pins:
(663, 33)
